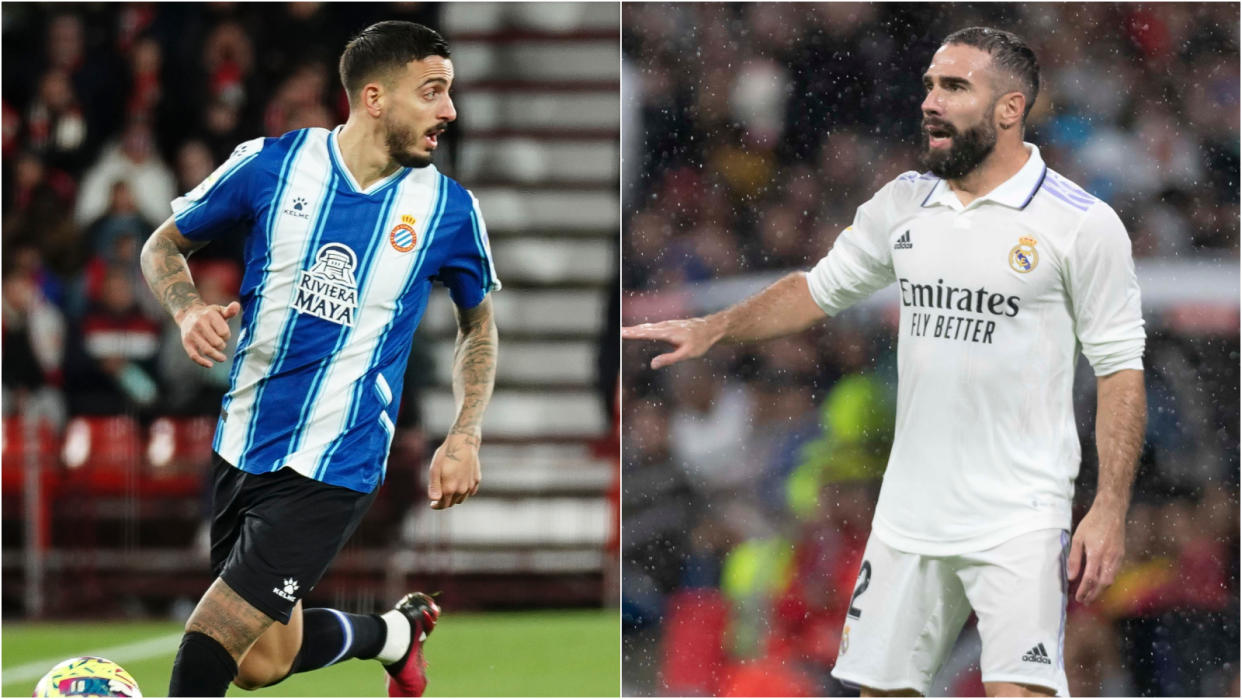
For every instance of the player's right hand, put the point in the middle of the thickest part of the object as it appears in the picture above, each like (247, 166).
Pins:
(690, 338)
(205, 331)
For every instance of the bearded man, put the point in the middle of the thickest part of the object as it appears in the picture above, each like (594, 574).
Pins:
(1005, 270)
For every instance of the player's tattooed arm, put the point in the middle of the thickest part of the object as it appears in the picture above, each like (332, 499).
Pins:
(204, 328)
(455, 472)
(474, 368)
(164, 266)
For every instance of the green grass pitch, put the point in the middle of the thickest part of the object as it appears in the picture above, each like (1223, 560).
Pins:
(544, 653)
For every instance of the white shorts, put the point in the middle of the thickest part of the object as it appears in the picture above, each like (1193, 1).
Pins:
(907, 611)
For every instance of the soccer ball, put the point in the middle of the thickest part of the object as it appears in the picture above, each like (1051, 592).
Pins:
(87, 677)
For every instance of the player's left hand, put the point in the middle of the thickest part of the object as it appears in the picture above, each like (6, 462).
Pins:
(455, 472)
(1100, 537)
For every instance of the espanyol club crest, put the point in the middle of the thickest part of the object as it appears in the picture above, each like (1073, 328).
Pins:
(402, 236)
(1023, 257)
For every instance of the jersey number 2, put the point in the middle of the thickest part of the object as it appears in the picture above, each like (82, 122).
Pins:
(864, 579)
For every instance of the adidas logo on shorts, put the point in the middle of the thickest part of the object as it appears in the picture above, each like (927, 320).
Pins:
(1037, 655)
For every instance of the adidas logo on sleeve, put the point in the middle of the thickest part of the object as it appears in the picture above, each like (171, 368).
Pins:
(1037, 655)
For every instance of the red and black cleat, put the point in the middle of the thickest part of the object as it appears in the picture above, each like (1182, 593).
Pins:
(408, 676)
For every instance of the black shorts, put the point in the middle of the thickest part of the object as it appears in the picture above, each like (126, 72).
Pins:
(274, 534)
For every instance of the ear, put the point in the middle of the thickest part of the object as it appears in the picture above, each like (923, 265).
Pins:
(371, 98)
(1009, 109)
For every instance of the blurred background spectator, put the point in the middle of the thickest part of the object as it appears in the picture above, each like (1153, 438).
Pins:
(749, 476)
(34, 339)
(110, 368)
(133, 162)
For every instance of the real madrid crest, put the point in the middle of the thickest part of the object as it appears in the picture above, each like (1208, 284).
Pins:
(1024, 257)
(402, 236)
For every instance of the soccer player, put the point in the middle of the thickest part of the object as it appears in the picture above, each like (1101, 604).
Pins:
(1004, 269)
(347, 229)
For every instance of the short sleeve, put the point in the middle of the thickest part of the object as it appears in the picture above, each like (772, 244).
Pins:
(860, 262)
(468, 272)
(223, 199)
(1104, 293)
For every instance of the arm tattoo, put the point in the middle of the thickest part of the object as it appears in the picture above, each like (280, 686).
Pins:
(164, 266)
(474, 369)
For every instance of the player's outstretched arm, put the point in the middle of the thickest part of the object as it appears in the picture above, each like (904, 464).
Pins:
(1121, 418)
(783, 308)
(455, 472)
(204, 328)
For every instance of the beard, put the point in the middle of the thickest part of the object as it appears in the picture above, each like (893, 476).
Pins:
(401, 141)
(968, 149)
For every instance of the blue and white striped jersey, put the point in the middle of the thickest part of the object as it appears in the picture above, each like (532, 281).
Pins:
(336, 280)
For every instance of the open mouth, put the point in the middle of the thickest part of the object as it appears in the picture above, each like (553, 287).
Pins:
(938, 136)
(432, 138)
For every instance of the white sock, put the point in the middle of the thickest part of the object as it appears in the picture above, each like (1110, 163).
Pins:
(398, 640)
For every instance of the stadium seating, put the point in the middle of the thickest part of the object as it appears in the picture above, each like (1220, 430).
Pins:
(24, 440)
(542, 157)
(28, 443)
(178, 453)
(102, 454)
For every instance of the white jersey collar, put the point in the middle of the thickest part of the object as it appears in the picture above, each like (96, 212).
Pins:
(1015, 192)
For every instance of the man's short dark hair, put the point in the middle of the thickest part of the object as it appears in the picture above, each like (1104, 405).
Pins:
(1010, 54)
(387, 46)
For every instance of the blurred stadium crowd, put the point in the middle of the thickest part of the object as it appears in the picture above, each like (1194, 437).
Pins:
(109, 112)
(749, 476)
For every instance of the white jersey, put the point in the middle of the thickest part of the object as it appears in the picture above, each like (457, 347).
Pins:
(996, 299)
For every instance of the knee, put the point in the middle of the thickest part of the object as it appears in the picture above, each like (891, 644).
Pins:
(257, 671)
(262, 667)
(250, 680)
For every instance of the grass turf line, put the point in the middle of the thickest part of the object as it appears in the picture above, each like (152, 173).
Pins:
(545, 653)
